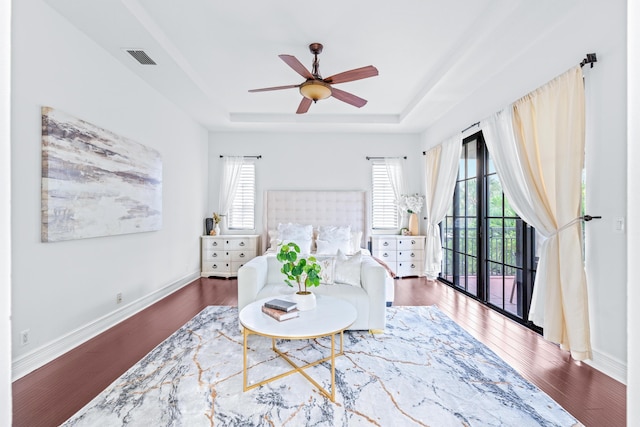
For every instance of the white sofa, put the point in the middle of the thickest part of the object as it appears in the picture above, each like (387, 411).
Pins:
(256, 281)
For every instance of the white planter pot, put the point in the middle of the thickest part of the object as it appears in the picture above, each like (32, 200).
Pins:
(305, 300)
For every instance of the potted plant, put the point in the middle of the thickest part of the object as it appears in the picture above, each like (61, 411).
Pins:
(305, 272)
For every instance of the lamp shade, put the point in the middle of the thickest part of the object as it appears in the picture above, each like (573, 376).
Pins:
(315, 90)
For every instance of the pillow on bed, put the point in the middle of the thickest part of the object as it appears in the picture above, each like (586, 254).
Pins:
(355, 242)
(348, 268)
(331, 248)
(333, 233)
(331, 238)
(299, 234)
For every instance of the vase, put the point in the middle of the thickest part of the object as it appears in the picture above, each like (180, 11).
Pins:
(305, 300)
(217, 229)
(414, 227)
(208, 226)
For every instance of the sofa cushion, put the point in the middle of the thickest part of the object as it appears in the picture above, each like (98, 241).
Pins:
(348, 268)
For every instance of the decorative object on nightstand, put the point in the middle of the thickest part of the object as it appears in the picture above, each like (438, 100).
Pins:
(304, 271)
(216, 220)
(403, 254)
(222, 256)
(411, 204)
(208, 226)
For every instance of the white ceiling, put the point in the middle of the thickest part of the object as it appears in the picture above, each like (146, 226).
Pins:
(431, 55)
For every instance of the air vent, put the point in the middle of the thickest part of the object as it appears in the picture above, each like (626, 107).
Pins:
(141, 56)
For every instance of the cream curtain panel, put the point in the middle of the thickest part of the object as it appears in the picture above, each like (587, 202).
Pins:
(537, 145)
(232, 166)
(441, 166)
(395, 171)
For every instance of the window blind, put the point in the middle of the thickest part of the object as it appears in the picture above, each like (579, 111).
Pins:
(383, 199)
(242, 212)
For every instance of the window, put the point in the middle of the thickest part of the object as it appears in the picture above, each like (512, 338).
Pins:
(242, 212)
(383, 199)
(488, 251)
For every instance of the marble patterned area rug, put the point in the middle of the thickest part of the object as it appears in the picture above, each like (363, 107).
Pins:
(423, 371)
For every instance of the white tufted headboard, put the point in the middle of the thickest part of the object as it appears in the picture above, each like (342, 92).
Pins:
(315, 207)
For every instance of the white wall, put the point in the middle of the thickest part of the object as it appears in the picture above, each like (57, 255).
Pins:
(65, 291)
(633, 212)
(312, 161)
(595, 27)
(5, 214)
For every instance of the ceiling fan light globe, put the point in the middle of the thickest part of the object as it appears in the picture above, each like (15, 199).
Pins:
(315, 90)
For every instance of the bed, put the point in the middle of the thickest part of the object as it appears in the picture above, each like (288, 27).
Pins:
(258, 279)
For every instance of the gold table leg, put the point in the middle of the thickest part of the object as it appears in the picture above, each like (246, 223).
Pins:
(296, 368)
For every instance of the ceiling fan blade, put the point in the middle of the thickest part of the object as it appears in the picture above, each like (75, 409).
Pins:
(347, 97)
(297, 66)
(351, 75)
(304, 106)
(264, 89)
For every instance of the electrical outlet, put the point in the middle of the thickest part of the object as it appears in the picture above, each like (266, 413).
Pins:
(24, 337)
(118, 297)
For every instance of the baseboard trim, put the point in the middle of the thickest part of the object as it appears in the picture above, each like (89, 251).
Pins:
(608, 365)
(45, 354)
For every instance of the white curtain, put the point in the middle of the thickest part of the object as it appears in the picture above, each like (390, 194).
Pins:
(537, 146)
(395, 171)
(231, 168)
(441, 170)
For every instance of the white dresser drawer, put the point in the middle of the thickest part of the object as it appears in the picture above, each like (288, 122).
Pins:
(409, 268)
(383, 244)
(215, 256)
(241, 256)
(239, 244)
(212, 244)
(217, 266)
(409, 255)
(386, 256)
(410, 243)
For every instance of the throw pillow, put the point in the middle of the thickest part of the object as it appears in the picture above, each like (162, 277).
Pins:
(327, 270)
(348, 268)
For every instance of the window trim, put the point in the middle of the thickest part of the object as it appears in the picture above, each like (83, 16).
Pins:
(384, 206)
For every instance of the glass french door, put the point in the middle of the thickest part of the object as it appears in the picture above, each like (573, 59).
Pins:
(488, 251)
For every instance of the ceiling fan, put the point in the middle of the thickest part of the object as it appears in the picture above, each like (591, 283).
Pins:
(315, 87)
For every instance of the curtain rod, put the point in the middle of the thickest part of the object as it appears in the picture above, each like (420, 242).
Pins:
(590, 59)
(378, 158)
(247, 157)
(469, 127)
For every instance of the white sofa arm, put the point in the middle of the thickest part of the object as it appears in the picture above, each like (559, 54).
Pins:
(373, 278)
(251, 279)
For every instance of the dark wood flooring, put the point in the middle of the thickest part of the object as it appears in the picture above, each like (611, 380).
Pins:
(54, 392)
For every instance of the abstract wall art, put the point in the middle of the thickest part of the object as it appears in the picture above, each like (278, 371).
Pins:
(94, 182)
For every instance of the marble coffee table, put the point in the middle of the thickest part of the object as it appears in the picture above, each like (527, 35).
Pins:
(330, 318)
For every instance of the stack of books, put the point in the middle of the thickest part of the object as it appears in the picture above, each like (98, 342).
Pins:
(280, 309)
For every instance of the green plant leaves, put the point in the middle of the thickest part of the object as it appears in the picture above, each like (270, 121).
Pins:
(303, 271)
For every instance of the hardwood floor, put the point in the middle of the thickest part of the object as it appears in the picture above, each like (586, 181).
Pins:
(51, 394)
